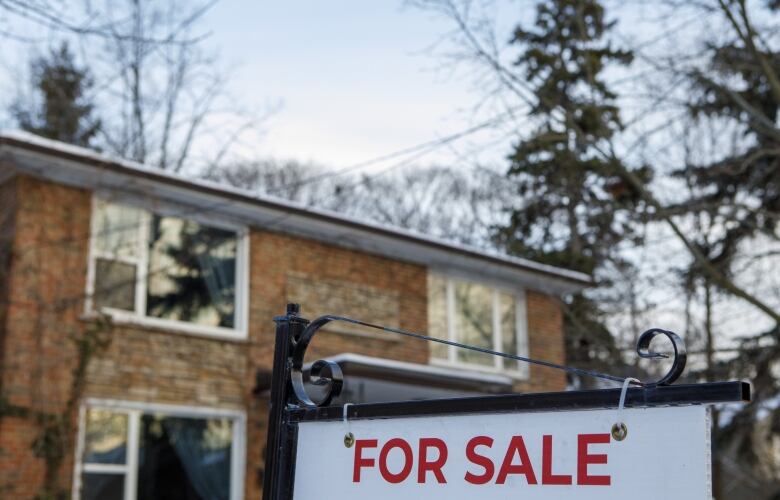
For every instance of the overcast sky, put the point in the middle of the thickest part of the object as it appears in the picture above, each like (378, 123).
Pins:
(350, 80)
(355, 79)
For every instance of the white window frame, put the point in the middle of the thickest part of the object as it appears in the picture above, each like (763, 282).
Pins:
(138, 316)
(521, 328)
(134, 410)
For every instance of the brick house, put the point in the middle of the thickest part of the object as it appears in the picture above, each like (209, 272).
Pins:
(135, 322)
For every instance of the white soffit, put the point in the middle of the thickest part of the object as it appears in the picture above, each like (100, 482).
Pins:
(87, 169)
(449, 375)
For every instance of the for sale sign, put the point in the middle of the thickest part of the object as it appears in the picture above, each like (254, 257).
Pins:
(529, 456)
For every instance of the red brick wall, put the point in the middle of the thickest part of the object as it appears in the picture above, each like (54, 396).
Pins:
(273, 258)
(545, 338)
(45, 286)
(47, 282)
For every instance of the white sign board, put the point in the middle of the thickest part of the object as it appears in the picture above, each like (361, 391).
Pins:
(530, 456)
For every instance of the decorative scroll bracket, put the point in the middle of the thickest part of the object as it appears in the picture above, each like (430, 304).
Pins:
(680, 357)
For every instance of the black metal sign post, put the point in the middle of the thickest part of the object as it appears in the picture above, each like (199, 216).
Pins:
(280, 444)
(291, 405)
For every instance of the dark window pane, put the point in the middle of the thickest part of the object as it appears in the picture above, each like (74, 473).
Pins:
(191, 272)
(474, 321)
(105, 441)
(100, 486)
(184, 458)
(114, 285)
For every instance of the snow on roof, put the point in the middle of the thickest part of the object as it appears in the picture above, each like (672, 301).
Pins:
(18, 141)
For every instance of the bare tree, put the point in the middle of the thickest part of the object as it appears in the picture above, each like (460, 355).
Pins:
(160, 92)
(166, 88)
(458, 205)
(57, 15)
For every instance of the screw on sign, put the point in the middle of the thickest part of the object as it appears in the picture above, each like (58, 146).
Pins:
(572, 444)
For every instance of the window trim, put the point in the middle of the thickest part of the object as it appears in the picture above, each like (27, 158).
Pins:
(139, 318)
(521, 328)
(135, 410)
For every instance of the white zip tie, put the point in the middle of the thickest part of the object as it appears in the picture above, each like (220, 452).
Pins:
(344, 415)
(619, 428)
(349, 438)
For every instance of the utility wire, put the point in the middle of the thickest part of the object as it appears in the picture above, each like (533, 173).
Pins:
(422, 149)
(318, 322)
(433, 144)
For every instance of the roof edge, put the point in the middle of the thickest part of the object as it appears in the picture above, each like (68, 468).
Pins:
(35, 144)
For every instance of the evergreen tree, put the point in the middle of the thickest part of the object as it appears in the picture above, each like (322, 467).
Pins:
(63, 112)
(752, 172)
(573, 210)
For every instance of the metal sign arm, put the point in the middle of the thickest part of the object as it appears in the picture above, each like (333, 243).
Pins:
(328, 373)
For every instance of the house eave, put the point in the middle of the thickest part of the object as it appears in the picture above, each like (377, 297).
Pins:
(87, 169)
(413, 373)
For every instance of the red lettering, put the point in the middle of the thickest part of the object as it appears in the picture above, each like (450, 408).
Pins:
(360, 462)
(482, 461)
(435, 466)
(408, 458)
(584, 459)
(547, 459)
(516, 446)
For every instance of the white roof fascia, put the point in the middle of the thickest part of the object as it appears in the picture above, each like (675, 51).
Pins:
(85, 168)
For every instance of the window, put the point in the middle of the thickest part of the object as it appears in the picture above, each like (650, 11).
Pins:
(130, 452)
(167, 270)
(476, 314)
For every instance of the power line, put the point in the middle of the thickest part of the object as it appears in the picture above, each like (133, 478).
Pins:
(422, 149)
(433, 144)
